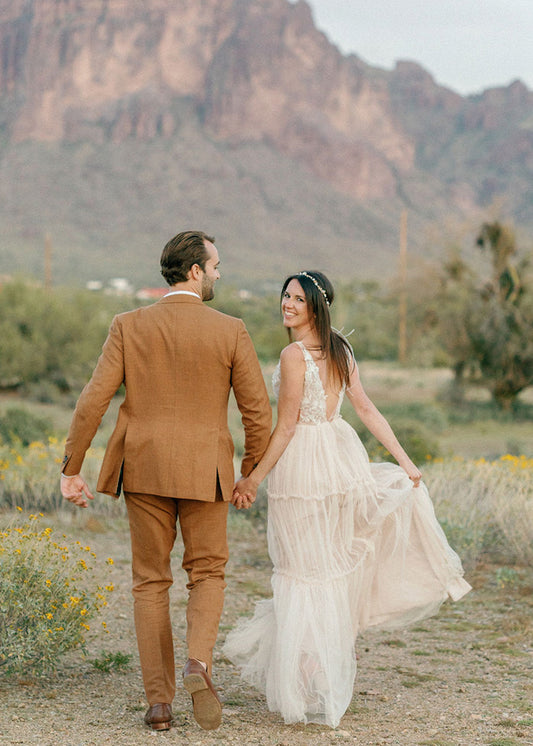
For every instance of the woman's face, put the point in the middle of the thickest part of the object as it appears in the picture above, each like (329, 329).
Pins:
(294, 307)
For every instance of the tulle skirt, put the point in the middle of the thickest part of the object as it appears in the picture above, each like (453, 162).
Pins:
(353, 545)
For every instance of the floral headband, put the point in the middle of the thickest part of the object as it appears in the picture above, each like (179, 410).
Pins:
(317, 285)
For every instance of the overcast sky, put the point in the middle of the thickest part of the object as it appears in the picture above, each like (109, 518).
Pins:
(467, 45)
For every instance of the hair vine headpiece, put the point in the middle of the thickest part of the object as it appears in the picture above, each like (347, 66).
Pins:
(317, 285)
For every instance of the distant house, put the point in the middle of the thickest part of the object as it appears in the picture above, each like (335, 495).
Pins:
(119, 286)
(151, 293)
(115, 286)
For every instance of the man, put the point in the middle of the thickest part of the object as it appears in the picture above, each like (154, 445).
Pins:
(172, 454)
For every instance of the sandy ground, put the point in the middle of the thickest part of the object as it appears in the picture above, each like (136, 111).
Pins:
(464, 677)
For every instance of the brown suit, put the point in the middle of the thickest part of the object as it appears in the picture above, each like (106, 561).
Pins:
(178, 360)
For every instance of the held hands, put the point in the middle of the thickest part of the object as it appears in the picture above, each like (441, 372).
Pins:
(244, 493)
(73, 489)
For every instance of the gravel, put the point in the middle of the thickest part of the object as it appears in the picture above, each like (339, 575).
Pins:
(461, 678)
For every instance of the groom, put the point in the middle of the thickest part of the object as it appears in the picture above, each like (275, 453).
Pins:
(172, 454)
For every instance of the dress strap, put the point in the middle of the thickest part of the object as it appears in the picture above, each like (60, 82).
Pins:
(307, 355)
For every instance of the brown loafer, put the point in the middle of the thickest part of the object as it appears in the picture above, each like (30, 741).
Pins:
(206, 704)
(159, 716)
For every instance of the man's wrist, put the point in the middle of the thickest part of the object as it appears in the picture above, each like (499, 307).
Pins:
(68, 476)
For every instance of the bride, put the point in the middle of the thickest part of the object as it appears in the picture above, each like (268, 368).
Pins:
(353, 544)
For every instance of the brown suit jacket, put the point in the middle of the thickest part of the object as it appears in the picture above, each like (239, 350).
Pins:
(178, 360)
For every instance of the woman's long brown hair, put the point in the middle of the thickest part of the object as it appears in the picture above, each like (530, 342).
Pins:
(333, 345)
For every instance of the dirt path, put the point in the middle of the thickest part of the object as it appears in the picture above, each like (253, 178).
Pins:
(462, 678)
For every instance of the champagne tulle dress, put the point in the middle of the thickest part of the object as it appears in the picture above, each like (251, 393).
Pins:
(353, 545)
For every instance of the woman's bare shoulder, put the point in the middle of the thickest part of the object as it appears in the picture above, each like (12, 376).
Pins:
(292, 356)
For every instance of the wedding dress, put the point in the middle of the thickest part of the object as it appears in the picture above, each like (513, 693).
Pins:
(353, 545)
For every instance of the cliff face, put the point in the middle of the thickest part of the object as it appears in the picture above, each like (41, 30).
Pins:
(72, 66)
(479, 148)
(278, 78)
(257, 70)
(256, 74)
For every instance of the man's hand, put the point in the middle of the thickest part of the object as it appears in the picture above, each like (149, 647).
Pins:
(74, 488)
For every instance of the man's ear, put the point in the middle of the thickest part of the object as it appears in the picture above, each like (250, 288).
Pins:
(195, 272)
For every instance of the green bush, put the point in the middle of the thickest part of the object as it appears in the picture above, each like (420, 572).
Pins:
(427, 415)
(19, 425)
(415, 439)
(52, 335)
(108, 662)
(48, 595)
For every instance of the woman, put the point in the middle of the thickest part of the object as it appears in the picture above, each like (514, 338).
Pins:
(353, 544)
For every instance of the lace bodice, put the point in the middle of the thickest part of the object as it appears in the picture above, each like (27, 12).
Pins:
(313, 409)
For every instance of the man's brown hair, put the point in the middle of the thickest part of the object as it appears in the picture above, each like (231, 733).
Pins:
(181, 253)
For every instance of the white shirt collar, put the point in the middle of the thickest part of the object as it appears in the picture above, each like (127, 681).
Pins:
(181, 292)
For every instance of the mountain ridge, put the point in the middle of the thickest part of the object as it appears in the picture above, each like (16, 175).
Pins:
(250, 124)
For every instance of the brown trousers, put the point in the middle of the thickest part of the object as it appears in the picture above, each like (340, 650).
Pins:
(153, 522)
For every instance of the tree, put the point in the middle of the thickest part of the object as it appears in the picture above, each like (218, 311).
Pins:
(501, 327)
(485, 317)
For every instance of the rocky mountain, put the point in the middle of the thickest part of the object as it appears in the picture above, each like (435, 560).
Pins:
(124, 122)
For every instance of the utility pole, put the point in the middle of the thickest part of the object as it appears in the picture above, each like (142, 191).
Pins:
(47, 261)
(402, 300)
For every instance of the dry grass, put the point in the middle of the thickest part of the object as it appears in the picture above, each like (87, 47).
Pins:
(485, 507)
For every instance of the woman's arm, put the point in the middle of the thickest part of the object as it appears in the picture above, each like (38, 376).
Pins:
(372, 418)
(292, 373)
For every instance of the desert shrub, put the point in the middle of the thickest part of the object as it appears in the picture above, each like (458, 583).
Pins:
(48, 595)
(108, 662)
(19, 425)
(427, 415)
(52, 335)
(414, 437)
(461, 410)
